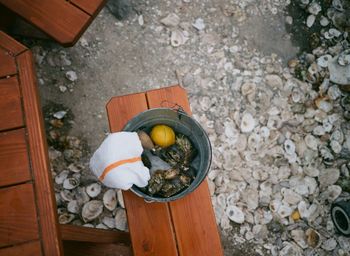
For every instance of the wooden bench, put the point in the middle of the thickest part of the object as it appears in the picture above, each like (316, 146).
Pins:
(28, 212)
(63, 20)
(185, 227)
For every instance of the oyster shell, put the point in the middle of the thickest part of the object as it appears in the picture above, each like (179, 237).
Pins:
(313, 238)
(235, 214)
(178, 38)
(120, 220)
(110, 199)
(91, 210)
(93, 190)
(65, 218)
(60, 178)
(70, 183)
(120, 198)
(171, 20)
(247, 123)
(73, 206)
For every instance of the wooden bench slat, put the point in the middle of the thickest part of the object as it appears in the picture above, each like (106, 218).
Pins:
(7, 64)
(193, 216)
(26, 249)
(74, 248)
(59, 19)
(14, 163)
(11, 44)
(92, 7)
(149, 223)
(10, 104)
(38, 154)
(18, 221)
(84, 234)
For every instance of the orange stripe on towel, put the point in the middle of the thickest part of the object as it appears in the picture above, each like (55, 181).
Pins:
(116, 164)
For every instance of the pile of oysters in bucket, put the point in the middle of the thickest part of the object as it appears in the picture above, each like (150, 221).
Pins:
(169, 157)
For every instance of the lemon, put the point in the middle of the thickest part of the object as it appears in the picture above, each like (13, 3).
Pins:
(162, 135)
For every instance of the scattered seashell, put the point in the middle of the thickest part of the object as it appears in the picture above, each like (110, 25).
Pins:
(71, 76)
(60, 114)
(91, 210)
(329, 244)
(247, 123)
(93, 189)
(110, 199)
(311, 142)
(311, 171)
(334, 92)
(73, 206)
(67, 195)
(339, 74)
(284, 210)
(101, 226)
(328, 177)
(120, 220)
(274, 81)
(313, 238)
(324, 104)
(290, 197)
(199, 24)
(314, 8)
(336, 146)
(235, 214)
(332, 193)
(289, 147)
(310, 20)
(172, 20)
(177, 38)
(81, 195)
(109, 222)
(299, 237)
(323, 60)
(70, 183)
(88, 225)
(60, 178)
(65, 218)
(324, 21)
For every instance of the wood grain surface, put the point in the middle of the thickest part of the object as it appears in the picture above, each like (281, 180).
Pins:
(10, 104)
(18, 221)
(150, 224)
(193, 216)
(7, 63)
(57, 18)
(45, 200)
(84, 234)
(32, 248)
(74, 248)
(10, 44)
(14, 163)
(89, 6)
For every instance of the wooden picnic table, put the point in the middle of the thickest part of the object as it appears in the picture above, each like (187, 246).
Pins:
(28, 220)
(185, 227)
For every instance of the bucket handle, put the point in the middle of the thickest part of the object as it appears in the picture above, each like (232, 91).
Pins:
(174, 106)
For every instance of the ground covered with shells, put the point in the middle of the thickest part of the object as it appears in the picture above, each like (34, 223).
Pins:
(266, 79)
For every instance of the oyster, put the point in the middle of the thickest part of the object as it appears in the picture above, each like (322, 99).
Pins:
(91, 210)
(110, 199)
(156, 182)
(93, 190)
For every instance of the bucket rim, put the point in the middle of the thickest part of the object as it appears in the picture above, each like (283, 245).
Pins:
(188, 190)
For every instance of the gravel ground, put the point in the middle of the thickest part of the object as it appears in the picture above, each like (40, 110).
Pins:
(280, 143)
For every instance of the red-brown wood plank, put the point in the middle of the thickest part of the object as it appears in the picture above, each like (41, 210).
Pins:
(41, 172)
(7, 63)
(58, 18)
(14, 164)
(149, 223)
(84, 234)
(193, 216)
(27, 249)
(18, 220)
(89, 6)
(11, 44)
(10, 104)
(74, 248)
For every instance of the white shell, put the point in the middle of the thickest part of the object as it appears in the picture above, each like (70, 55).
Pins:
(290, 249)
(332, 193)
(91, 210)
(311, 171)
(81, 196)
(71, 76)
(319, 131)
(336, 146)
(284, 210)
(299, 237)
(59, 179)
(329, 244)
(101, 226)
(108, 221)
(290, 197)
(324, 21)
(235, 214)
(67, 195)
(328, 176)
(310, 20)
(289, 147)
(59, 114)
(110, 199)
(339, 74)
(70, 183)
(323, 60)
(88, 225)
(120, 220)
(73, 206)
(275, 205)
(65, 218)
(172, 20)
(311, 142)
(334, 92)
(251, 198)
(274, 81)
(314, 8)
(199, 24)
(324, 104)
(93, 189)
(178, 38)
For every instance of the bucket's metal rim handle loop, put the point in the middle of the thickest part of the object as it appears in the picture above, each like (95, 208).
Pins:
(173, 105)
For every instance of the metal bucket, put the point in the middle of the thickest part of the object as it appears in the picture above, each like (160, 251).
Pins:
(181, 123)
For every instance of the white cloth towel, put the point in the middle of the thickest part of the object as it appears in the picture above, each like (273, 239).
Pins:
(117, 162)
